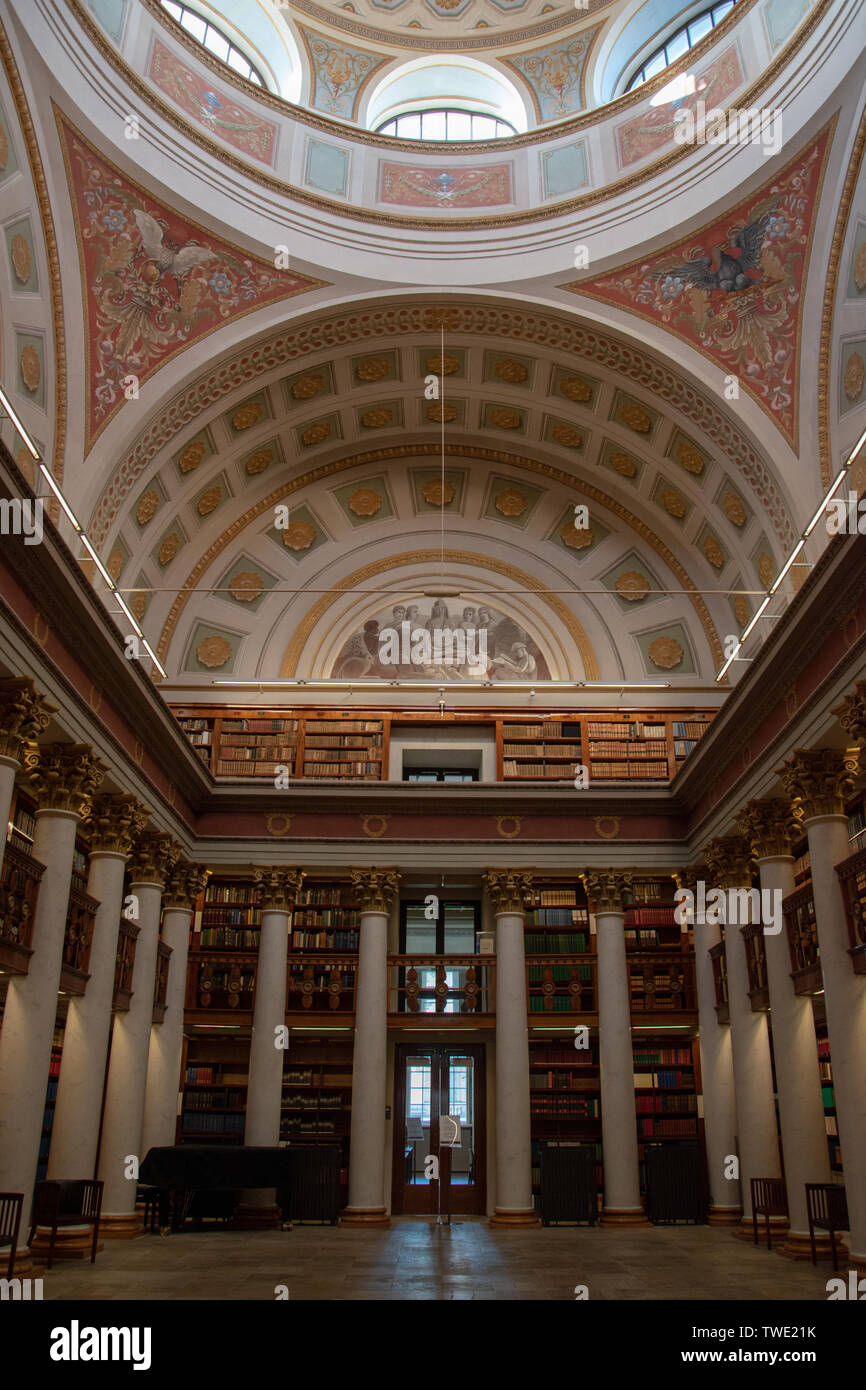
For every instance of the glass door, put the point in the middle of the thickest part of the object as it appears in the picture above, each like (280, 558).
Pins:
(430, 1175)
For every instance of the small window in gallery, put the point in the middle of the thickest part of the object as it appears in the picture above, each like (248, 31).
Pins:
(445, 123)
(213, 39)
(680, 42)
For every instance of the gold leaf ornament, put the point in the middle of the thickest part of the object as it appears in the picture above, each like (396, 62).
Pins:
(373, 368)
(192, 456)
(632, 585)
(566, 435)
(636, 418)
(307, 386)
(742, 612)
(22, 263)
(4, 149)
(169, 548)
(860, 268)
(665, 652)
(439, 411)
(210, 500)
(714, 552)
(765, 569)
(434, 493)
(31, 369)
(299, 535)
(317, 433)
(623, 463)
(115, 563)
(377, 418)
(510, 370)
(365, 502)
(147, 505)
(575, 388)
(511, 502)
(247, 415)
(138, 604)
(258, 461)
(506, 418)
(672, 502)
(246, 585)
(213, 651)
(690, 459)
(576, 537)
(855, 375)
(442, 366)
(734, 509)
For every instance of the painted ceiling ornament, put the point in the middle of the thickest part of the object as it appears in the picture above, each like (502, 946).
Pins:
(246, 585)
(555, 74)
(567, 435)
(307, 386)
(447, 365)
(436, 493)
(147, 506)
(509, 826)
(299, 535)
(213, 651)
(622, 463)
(210, 500)
(576, 537)
(511, 501)
(636, 418)
(138, 604)
(510, 370)
(765, 569)
(575, 388)
(169, 548)
(247, 415)
(22, 262)
(155, 282)
(377, 418)
(441, 410)
(742, 611)
(860, 267)
(31, 370)
(317, 433)
(713, 552)
(365, 502)
(192, 91)
(689, 457)
(855, 375)
(734, 288)
(672, 502)
(115, 563)
(373, 368)
(607, 827)
(192, 456)
(665, 652)
(506, 418)
(258, 461)
(734, 509)
(632, 585)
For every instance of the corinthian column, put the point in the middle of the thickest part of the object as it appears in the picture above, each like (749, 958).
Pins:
(820, 780)
(151, 863)
(622, 1204)
(508, 889)
(182, 888)
(717, 1070)
(276, 890)
(770, 827)
(728, 861)
(24, 715)
(376, 890)
(63, 777)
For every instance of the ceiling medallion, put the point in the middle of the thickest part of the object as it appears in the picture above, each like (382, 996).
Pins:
(138, 604)
(434, 493)
(690, 459)
(623, 463)
(210, 500)
(734, 509)
(375, 419)
(576, 537)
(635, 418)
(632, 585)
(860, 268)
(506, 418)
(246, 585)
(374, 826)
(115, 563)
(21, 261)
(508, 826)
(147, 505)
(714, 552)
(742, 612)
(672, 502)
(565, 434)
(575, 388)
(442, 366)
(373, 369)
(31, 370)
(511, 502)
(213, 651)
(607, 827)
(307, 386)
(665, 652)
(509, 370)
(169, 548)
(259, 461)
(317, 433)
(192, 456)
(765, 569)
(442, 411)
(247, 416)
(855, 374)
(365, 502)
(278, 824)
(299, 535)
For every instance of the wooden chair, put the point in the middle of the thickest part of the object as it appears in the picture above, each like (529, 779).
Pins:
(768, 1199)
(11, 1206)
(827, 1206)
(58, 1204)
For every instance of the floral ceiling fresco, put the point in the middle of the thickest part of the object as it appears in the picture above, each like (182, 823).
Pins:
(340, 74)
(395, 642)
(153, 281)
(216, 111)
(734, 289)
(554, 75)
(488, 186)
(653, 128)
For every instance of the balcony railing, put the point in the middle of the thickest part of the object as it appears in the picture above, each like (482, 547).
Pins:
(124, 964)
(80, 917)
(321, 986)
(562, 984)
(19, 891)
(720, 981)
(420, 985)
(160, 984)
(217, 982)
(852, 881)
(799, 913)
(756, 964)
(661, 983)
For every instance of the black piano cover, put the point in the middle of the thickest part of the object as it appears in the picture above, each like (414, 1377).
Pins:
(200, 1167)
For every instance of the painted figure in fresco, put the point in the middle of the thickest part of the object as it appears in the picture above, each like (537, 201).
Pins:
(731, 267)
(520, 662)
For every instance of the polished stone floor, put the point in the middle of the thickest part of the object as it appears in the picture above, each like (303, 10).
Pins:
(416, 1259)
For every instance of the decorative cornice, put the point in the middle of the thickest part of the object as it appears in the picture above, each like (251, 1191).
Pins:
(729, 861)
(63, 776)
(607, 889)
(819, 780)
(852, 713)
(277, 888)
(114, 822)
(770, 826)
(184, 884)
(153, 858)
(375, 888)
(24, 714)
(509, 889)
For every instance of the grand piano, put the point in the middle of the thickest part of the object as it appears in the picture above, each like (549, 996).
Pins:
(306, 1178)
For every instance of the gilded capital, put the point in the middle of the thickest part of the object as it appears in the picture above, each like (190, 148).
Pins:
(818, 780)
(153, 857)
(24, 715)
(375, 889)
(690, 876)
(63, 776)
(184, 884)
(114, 821)
(606, 889)
(852, 713)
(509, 889)
(278, 887)
(770, 826)
(729, 861)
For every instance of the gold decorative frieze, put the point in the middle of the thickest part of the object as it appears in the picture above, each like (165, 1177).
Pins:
(607, 889)
(114, 822)
(729, 861)
(819, 780)
(770, 826)
(24, 714)
(277, 888)
(63, 776)
(375, 889)
(509, 889)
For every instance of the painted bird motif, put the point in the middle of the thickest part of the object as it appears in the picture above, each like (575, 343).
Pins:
(165, 255)
(732, 266)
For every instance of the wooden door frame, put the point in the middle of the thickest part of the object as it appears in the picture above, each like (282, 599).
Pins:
(474, 1198)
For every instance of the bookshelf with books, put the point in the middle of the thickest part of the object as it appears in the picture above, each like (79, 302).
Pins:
(628, 749)
(650, 923)
(22, 822)
(317, 1092)
(564, 1100)
(557, 925)
(227, 917)
(828, 1095)
(199, 730)
(325, 918)
(50, 1100)
(666, 1102)
(257, 747)
(687, 733)
(546, 750)
(345, 749)
(215, 1076)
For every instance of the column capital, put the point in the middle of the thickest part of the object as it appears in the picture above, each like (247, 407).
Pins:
(24, 714)
(63, 776)
(852, 713)
(375, 888)
(770, 826)
(114, 821)
(606, 888)
(153, 857)
(729, 861)
(819, 779)
(690, 876)
(508, 888)
(184, 883)
(278, 887)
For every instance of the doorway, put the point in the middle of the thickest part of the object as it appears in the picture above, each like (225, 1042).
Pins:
(431, 1082)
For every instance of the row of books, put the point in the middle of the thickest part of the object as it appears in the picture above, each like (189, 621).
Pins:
(585, 1104)
(196, 726)
(345, 769)
(677, 1056)
(549, 729)
(229, 892)
(243, 767)
(647, 940)
(615, 748)
(293, 1124)
(261, 752)
(344, 726)
(228, 1098)
(24, 822)
(224, 1122)
(197, 1075)
(664, 1080)
(555, 943)
(345, 741)
(325, 940)
(543, 750)
(648, 1127)
(557, 1081)
(558, 897)
(654, 1105)
(230, 917)
(560, 1056)
(690, 728)
(629, 771)
(345, 755)
(326, 917)
(662, 916)
(557, 916)
(233, 937)
(557, 772)
(315, 1101)
(321, 897)
(683, 747)
(258, 726)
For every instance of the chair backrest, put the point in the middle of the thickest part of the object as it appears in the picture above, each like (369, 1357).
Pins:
(69, 1197)
(769, 1193)
(827, 1202)
(46, 1202)
(11, 1204)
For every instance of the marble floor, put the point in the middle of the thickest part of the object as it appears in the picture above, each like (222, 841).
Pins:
(416, 1259)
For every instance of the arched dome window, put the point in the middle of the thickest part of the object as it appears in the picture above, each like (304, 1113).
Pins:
(205, 32)
(451, 99)
(680, 41)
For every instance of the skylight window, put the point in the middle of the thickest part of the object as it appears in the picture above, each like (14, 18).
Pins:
(447, 124)
(680, 42)
(213, 39)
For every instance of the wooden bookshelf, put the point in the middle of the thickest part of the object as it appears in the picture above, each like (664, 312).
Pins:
(549, 750)
(564, 1100)
(213, 1110)
(665, 1095)
(343, 749)
(325, 918)
(317, 1092)
(199, 730)
(828, 1095)
(50, 1101)
(560, 960)
(650, 923)
(251, 747)
(227, 917)
(22, 822)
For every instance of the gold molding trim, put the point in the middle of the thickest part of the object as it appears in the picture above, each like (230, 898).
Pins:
(612, 823)
(380, 827)
(37, 620)
(516, 821)
(271, 823)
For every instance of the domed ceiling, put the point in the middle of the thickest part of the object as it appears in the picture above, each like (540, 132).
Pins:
(455, 25)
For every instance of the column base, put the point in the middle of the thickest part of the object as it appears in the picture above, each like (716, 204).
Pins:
(26, 1267)
(797, 1246)
(365, 1216)
(857, 1262)
(507, 1220)
(73, 1243)
(624, 1216)
(255, 1218)
(122, 1227)
(725, 1216)
(746, 1231)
